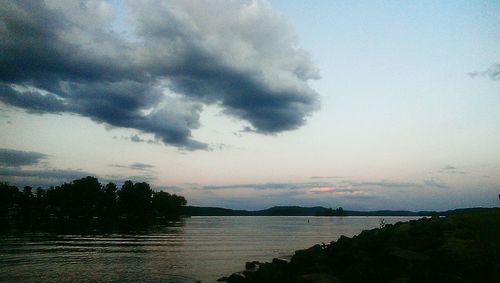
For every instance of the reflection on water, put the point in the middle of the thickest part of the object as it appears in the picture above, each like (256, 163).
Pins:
(197, 248)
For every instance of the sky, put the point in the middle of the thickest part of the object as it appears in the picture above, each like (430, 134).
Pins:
(363, 105)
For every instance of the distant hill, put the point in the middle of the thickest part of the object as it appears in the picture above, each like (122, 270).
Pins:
(386, 213)
(273, 211)
(313, 211)
(291, 211)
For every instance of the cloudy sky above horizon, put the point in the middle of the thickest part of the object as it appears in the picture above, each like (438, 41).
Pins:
(251, 104)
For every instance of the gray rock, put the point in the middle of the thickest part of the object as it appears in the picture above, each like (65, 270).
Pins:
(252, 266)
(236, 278)
(279, 261)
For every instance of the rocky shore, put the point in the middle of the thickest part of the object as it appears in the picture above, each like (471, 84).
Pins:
(456, 248)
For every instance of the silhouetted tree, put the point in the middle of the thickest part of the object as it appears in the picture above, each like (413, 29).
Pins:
(82, 198)
(109, 201)
(333, 212)
(166, 204)
(27, 203)
(134, 200)
(9, 199)
(28, 191)
(339, 212)
(85, 201)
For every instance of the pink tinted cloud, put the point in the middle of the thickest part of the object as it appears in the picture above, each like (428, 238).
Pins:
(322, 189)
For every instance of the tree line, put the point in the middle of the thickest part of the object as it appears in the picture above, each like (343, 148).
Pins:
(86, 199)
(332, 212)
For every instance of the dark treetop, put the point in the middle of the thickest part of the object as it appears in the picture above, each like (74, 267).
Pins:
(85, 202)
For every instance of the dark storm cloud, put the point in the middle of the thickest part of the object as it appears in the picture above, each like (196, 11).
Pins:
(32, 101)
(59, 174)
(64, 57)
(493, 73)
(16, 158)
(137, 138)
(13, 161)
(54, 177)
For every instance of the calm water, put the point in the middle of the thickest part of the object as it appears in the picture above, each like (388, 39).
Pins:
(197, 248)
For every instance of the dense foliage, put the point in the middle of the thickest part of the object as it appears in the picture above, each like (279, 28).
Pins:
(332, 212)
(87, 200)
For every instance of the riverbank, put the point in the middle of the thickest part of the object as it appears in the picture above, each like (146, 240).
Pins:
(463, 247)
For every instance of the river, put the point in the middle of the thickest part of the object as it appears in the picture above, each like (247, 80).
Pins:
(196, 248)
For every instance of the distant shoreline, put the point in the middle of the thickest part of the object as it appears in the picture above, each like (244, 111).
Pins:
(315, 211)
